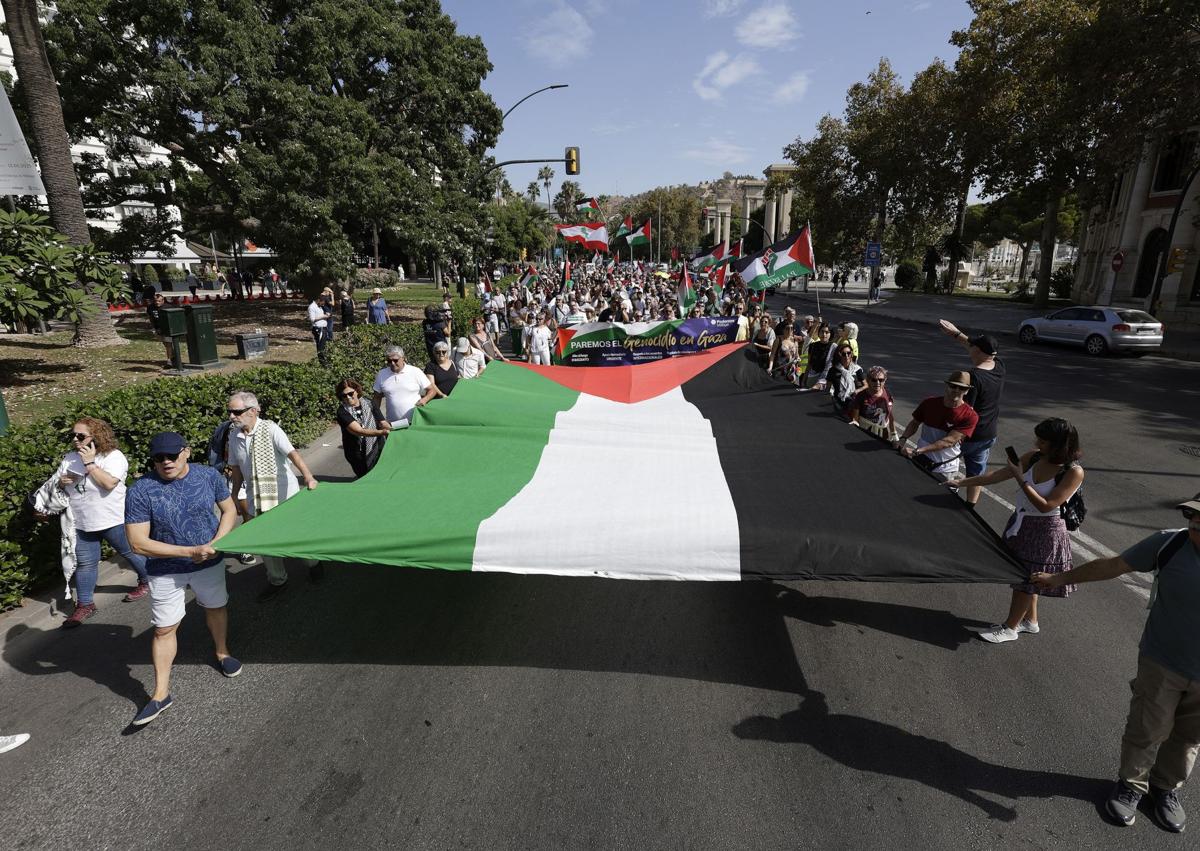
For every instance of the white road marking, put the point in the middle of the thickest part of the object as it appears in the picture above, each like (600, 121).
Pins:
(1089, 549)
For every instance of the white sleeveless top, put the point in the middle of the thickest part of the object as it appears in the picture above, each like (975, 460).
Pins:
(1024, 506)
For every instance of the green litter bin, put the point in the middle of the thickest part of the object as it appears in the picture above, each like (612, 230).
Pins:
(201, 337)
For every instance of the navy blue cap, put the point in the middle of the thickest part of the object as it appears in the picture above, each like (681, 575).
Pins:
(167, 443)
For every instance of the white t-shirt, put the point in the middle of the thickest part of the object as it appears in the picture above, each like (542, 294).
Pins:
(239, 455)
(316, 315)
(539, 338)
(400, 390)
(94, 508)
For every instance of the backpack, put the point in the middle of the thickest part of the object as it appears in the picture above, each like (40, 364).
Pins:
(1074, 510)
(1165, 553)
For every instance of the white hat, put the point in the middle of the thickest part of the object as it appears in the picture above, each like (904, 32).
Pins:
(463, 346)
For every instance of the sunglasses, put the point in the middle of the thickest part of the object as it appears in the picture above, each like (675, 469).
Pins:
(237, 412)
(78, 435)
(348, 394)
(163, 457)
(877, 380)
(1190, 513)
(394, 360)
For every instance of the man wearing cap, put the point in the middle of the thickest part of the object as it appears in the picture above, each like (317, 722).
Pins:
(468, 359)
(945, 422)
(377, 309)
(1162, 732)
(987, 386)
(169, 518)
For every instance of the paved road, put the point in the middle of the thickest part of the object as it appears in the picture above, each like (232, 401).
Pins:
(397, 708)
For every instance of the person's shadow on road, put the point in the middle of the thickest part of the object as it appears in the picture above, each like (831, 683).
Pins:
(866, 745)
(937, 627)
(97, 651)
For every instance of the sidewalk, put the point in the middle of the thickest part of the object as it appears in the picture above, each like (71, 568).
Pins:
(996, 316)
(46, 611)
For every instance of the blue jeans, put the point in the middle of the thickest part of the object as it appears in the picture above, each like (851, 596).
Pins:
(975, 455)
(87, 558)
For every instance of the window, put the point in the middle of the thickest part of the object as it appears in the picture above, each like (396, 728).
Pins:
(1071, 314)
(1133, 316)
(1174, 163)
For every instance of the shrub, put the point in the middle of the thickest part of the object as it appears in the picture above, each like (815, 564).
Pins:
(1062, 280)
(908, 275)
(300, 397)
(370, 278)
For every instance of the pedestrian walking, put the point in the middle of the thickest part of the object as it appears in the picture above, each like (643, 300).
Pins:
(401, 387)
(364, 428)
(377, 309)
(945, 422)
(987, 386)
(262, 457)
(93, 476)
(1162, 732)
(319, 318)
(347, 309)
(441, 372)
(170, 519)
(1036, 533)
(154, 309)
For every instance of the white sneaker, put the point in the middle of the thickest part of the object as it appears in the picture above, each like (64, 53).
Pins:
(8, 743)
(998, 634)
(1027, 626)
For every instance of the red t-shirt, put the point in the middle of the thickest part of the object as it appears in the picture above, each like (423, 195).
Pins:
(933, 412)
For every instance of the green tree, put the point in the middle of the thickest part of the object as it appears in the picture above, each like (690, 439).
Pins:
(564, 201)
(301, 123)
(518, 224)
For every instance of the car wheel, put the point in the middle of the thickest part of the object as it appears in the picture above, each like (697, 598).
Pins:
(1096, 345)
(1027, 335)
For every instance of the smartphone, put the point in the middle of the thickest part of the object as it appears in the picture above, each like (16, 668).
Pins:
(1012, 455)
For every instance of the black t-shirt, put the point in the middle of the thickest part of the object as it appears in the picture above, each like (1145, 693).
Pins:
(606, 315)
(818, 352)
(154, 314)
(445, 379)
(987, 385)
(352, 443)
(435, 331)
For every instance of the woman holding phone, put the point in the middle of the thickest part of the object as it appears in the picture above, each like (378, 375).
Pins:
(1036, 533)
(93, 476)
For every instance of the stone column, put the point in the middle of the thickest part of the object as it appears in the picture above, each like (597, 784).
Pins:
(769, 221)
(785, 214)
(1130, 236)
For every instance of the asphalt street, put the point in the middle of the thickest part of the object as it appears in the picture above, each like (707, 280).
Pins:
(392, 708)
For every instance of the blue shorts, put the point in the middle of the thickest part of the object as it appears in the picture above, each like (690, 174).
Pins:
(975, 455)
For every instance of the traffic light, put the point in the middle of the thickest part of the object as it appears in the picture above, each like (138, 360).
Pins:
(1176, 260)
(572, 159)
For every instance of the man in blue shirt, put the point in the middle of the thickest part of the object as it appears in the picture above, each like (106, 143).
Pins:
(169, 518)
(1162, 733)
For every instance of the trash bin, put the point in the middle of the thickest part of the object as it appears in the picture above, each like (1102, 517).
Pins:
(172, 322)
(250, 346)
(201, 337)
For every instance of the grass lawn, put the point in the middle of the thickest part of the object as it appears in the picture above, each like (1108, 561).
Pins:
(412, 295)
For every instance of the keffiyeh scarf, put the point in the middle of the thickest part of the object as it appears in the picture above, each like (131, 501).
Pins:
(264, 472)
(366, 418)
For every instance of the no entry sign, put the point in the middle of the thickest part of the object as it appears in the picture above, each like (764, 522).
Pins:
(1118, 261)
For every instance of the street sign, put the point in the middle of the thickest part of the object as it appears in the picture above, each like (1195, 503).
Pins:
(1118, 261)
(873, 256)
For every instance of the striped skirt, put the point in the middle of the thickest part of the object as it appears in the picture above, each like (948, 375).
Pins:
(1042, 545)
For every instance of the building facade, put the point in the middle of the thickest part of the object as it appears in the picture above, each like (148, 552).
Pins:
(1127, 238)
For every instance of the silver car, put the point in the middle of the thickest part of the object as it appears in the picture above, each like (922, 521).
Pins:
(1099, 330)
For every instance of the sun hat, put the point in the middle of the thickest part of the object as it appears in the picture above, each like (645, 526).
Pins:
(959, 379)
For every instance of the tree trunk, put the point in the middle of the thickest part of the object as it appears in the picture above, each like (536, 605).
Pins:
(1041, 297)
(54, 152)
(1024, 261)
(375, 240)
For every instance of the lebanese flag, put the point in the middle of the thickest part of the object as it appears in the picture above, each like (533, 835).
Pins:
(593, 235)
(641, 236)
(688, 499)
(791, 256)
(588, 207)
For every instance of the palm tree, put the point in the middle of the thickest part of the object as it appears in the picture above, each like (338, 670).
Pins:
(545, 175)
(54, 152)
(532, 190)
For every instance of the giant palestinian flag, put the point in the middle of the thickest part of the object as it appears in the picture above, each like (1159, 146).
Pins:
(593, 235)
(788, 258)
(684, 468)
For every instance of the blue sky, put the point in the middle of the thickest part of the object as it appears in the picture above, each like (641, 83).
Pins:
(678, 91)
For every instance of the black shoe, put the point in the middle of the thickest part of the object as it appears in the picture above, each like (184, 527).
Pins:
(1123, 802)
(271, 592)
(317, 572)
(1168, 810)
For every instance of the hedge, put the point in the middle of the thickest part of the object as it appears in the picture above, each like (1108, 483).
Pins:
(300, 397)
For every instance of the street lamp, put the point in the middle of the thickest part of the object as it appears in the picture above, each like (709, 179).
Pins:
(531, 94)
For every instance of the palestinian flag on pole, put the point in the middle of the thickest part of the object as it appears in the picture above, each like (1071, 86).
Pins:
(709, 258)
(735, 253)
(593, 235)
(641, 236)
(589, 208)
(528, 279)
(791, 256)
(567, 282)
(687, 501)
(625, 229)
(686, 292)
(717, 279)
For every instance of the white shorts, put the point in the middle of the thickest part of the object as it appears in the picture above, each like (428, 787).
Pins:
(168, 594)
(493, 324)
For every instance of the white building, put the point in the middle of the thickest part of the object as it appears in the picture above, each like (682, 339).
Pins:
(1130, 230)
(180, 254)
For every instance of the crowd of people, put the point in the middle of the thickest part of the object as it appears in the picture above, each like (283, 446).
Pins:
(167, 525)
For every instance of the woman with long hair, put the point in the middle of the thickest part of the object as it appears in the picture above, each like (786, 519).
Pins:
(363, 427)
(1047, 477)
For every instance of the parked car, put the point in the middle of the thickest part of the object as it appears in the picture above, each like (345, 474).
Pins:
(1098, 329)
